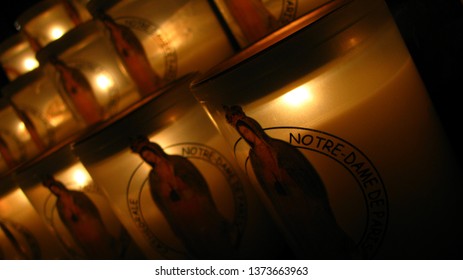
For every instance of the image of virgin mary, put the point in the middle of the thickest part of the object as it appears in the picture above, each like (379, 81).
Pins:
(183, 196)
(295, 190)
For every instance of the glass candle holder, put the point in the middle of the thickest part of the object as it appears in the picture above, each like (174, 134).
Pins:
(48, 20)
(88, 73)
(160, 41)
(17, 56)
(193, 203)
(80, 7)
(37, 101)
(23, 235)
(251, 20)
(331, 121)
(74, 208)
(19, 141)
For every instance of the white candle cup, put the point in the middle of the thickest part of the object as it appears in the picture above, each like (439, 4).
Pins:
(335, 95)
(37, 100)
(251, 20)
(74, 208)
(207, 211)
(19, 141)
(48, 20)
(160, 41)
(23, 235)
(17, 56)
(88, 73)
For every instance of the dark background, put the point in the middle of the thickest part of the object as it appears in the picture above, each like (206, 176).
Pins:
(432, 30)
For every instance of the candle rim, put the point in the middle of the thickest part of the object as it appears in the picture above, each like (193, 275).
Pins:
(14, 44)
(266, 44)
(49, 162)
(94, 6)
(34, 11)
(22, 81)
(105, 138)
(69, 40)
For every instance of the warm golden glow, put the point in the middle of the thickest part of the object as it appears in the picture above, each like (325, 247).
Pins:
(104, 82)
(352, 42)
(21, 127)
(30, 63)
(12, 201)
(55, 121)
(81, 177)
(75, 177)
(22, 133)
(56, 32)
(298, 96)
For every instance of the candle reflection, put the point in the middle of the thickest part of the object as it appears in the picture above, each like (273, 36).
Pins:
(298, 97)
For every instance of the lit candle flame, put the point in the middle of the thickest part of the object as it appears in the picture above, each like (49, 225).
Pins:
(104, 82)
(81, 177)
(56, 32)
(21, 127)
(30, 63)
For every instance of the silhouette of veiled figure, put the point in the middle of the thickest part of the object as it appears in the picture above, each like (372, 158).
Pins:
(133, 55)
(82, 219)
(6, 154)
(79, 91)
(30, 127)
(253, 18)
(183, 196)
(295, 190)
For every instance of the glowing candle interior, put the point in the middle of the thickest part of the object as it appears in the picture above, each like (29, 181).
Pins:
(105, 88)
(251, 20)
(175, 37)
(22, 232)
(58, 183)
(48, 20)
(171, 120)
(17, 57)
(38, 99)
(16, 142)
(353, 104)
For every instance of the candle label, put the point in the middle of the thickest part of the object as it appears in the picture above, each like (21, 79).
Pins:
(12, 148)
(83, 223)
(22, 240)
(6, 155)
(158, 45)
(35, 122)
(288, 11)
(82, 81)
(251, 20)
(41, 106)
(196, 191)
(281, 160)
